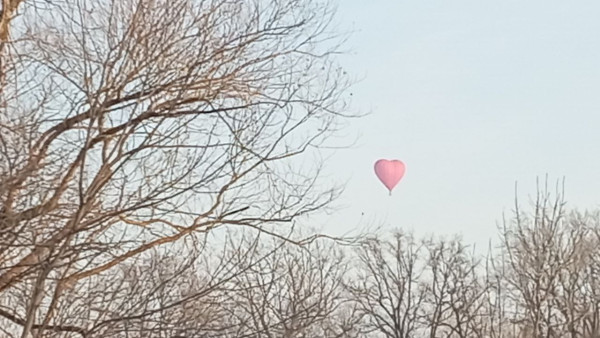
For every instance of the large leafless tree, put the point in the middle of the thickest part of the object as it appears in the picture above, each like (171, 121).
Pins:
(131, 125)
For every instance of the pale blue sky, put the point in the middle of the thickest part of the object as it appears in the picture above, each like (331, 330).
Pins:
(472, 96)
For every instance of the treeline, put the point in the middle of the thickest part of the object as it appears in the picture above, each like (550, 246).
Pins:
(540, 281)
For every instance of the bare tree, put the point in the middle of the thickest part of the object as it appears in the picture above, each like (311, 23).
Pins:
(387, 287)
(131, 125)
(455, 291)
(295, 292)
(549, 269)
(411, 288)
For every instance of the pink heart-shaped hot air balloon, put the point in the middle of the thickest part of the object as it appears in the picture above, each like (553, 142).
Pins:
(389, 172)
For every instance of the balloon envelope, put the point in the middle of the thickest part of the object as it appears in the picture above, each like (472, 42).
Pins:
(389, 172)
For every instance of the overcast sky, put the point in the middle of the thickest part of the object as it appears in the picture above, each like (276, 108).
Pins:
(473, 96)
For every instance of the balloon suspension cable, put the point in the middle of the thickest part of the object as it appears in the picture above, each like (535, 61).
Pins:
(390, 193)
